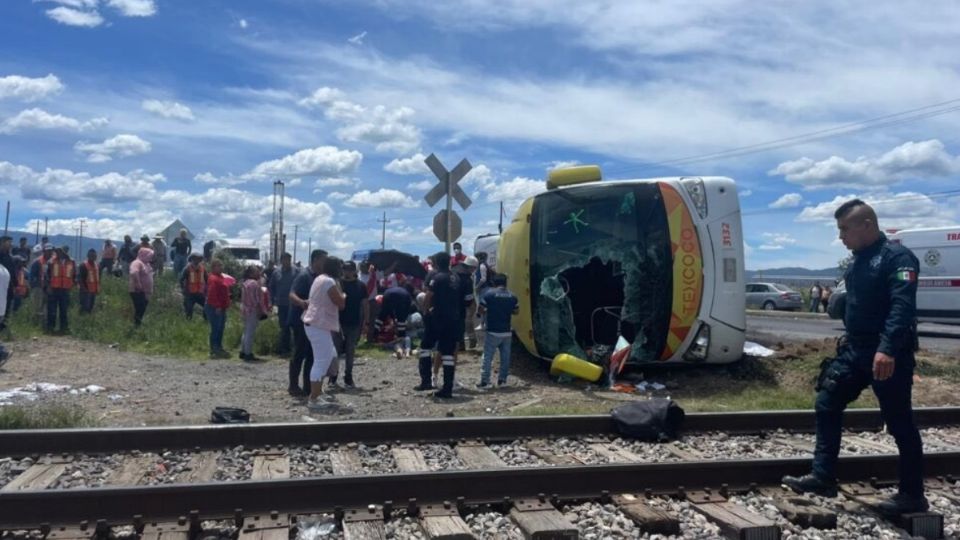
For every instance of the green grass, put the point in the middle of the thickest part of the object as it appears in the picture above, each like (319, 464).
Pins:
(165, 330)
(44, 417)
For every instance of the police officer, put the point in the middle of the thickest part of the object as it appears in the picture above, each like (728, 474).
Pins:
(878, 351)
(441, 325)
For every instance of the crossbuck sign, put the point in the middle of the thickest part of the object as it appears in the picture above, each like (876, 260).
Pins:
(446, 224)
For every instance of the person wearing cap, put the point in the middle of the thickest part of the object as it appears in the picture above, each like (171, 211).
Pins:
(128, 252)
(38, 283)
(108, 256)
(88, 279)
(60, 279)
(468, 308)
(180, 249)
(144, 243)
(43, 242)
(6, 259)
(159, 255)
(193, 285)
(141, 282)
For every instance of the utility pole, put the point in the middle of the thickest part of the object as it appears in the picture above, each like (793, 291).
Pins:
(309, 248)
(383, 233)
(77, 230)
(46, 223)
(296, 229)
(501, 218)
(80, 238)
(38, 232)
(6, 222)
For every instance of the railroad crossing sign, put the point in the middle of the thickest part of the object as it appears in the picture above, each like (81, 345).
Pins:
(447, 221)
(440, 223)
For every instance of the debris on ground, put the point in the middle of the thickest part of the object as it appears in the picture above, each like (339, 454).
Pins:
(755, 349)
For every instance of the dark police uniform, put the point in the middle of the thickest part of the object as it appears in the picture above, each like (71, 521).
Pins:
(440, 328)
(880, 316)
(397, 304)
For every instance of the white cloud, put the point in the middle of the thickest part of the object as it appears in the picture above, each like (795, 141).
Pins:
(338, 195)
(745, 192)
(562, 164)
(382, 198)
(776, 241)
(75, 17)
(29, 89)
(422, 185)
(322, 161)
(41, 119)
(479, 175)
(514, 191)
(168, 109)
(335, 182)
(358, 39)
(66, 185)
(389, 130)
(910, 160)
(210, 178)
(134, 8)
(894, 210)
(243, 23)
(412, 165)
(789, 200)
(123, 145)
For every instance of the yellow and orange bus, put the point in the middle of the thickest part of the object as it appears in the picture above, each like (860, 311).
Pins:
(657, 262)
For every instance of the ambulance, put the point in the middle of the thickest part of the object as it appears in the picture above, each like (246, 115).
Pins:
(657, 264)
(938, 292)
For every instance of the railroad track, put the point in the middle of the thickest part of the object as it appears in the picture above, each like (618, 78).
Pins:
(542, 477)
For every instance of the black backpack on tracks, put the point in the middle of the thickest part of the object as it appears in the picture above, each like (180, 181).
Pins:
(657, 419)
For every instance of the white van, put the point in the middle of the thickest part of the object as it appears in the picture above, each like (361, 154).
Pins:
(938, 293)
(244, 251)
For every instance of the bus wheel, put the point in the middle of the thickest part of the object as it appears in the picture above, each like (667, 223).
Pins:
(769, 306)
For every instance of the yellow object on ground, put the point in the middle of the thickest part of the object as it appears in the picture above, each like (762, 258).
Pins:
(571, 365)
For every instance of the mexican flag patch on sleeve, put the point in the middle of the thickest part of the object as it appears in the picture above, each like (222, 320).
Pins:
(906, 274)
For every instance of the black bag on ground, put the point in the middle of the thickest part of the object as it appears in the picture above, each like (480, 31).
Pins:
(229, 415)
(656, 419)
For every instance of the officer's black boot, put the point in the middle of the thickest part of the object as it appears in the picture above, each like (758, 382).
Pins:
(811, 483)
(903, 504)
(447, 390)
(425, 379)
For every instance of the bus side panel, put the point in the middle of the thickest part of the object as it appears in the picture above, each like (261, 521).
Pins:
(513, 259)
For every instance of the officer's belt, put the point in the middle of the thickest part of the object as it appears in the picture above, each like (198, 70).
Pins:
(863, 340)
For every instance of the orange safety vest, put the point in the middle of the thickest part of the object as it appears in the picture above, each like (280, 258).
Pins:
(61, 274)
(20, 289)
(195, 279)
(93, 277)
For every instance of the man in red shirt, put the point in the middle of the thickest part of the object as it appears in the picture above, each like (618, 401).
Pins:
(458, 255)
(218, 301)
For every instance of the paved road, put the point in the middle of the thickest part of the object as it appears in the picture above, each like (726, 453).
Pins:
(936, 337)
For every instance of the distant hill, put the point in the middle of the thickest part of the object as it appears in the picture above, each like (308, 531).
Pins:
(793, 272)
(61, 240)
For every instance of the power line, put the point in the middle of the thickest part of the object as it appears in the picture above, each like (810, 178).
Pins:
(888, 120)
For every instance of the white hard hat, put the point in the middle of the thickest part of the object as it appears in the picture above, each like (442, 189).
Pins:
(471, 261)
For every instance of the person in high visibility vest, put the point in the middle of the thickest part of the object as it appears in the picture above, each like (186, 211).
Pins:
(88, 278)
(193, 284)
(21, 287)
(61, 276)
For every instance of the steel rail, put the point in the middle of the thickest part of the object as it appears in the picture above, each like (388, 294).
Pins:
(326, 493)
(105, 440)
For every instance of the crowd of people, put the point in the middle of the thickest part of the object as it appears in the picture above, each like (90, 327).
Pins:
(820, 297)
(323, 310)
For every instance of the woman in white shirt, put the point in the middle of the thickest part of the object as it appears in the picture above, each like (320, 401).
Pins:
(320, 319)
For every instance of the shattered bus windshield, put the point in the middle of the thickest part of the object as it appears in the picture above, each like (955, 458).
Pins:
(601, 268)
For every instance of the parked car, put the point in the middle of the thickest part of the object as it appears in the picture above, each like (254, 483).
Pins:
(771, 296)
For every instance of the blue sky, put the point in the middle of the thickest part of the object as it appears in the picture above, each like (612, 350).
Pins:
(130, 113)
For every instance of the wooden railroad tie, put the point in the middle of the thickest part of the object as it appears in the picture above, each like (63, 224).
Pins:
(442, 522)
(920, 524)
(267, 465)
(358, 523)
(649, 519)
(799, 510)
(40, 475)
(735, 521)
(537, 518)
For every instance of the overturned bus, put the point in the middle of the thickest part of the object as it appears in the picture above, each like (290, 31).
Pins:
(659, 263)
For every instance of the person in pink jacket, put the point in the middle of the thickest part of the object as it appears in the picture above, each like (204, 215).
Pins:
(252, 310)
(141, 283)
